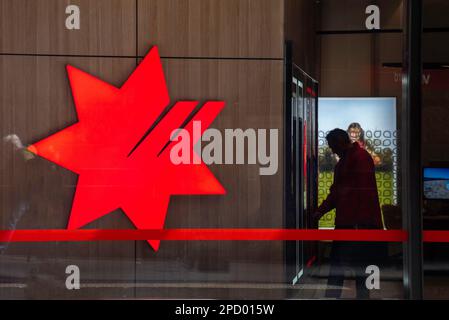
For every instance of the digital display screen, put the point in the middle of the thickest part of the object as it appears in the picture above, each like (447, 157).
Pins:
(436, 183)
(372, 123)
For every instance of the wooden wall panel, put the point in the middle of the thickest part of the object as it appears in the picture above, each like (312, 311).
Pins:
(35, 101)
(253, 94)
(108, 27)
(352, 64)
(346, 66)
(301, 22)
(212, 28)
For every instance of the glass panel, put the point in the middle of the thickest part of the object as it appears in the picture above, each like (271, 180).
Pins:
(360, 92)
(435, 154)
(246, 91)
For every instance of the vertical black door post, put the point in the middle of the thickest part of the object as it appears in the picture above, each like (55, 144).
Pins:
(411, 191)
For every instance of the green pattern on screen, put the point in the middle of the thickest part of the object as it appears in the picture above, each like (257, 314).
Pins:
(385, 186)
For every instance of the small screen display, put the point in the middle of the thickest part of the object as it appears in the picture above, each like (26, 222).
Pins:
(436, 183)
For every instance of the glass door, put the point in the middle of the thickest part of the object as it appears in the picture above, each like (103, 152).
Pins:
(300, 167)
(298, 126)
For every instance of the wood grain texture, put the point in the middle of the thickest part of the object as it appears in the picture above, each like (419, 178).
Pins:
(108, 27)
(36, 101)
(253, 94)
(346, 65)
(212, 28)
(252, 201)
(301, 23)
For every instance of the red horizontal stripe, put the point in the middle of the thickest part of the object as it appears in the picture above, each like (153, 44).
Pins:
(216, 234)
(436, 236)
(202, 234)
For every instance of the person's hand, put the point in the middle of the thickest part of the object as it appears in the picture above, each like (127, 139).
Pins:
(27, 155)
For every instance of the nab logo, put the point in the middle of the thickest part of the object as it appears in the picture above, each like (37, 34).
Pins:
(120, 147)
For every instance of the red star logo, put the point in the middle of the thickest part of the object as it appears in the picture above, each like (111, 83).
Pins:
(120, 147)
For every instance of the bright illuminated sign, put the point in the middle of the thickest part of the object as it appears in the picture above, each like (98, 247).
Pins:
(120, 147)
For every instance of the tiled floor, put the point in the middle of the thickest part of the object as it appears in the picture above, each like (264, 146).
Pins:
(391, 286)
(312, 285)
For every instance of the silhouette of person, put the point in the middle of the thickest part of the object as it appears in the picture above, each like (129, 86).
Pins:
(354, 196)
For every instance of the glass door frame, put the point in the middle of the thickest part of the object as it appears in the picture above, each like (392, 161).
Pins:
(300, 152)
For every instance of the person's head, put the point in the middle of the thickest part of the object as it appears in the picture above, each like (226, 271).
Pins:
(356, 132)
(338, 140)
